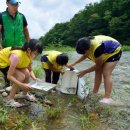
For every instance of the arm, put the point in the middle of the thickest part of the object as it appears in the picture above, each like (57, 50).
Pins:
(26, 33)
(98, 61)
(12, 72)
(0, 37)
(25, 29)
(98, 65)
(1, 31)
(83, 57)
(33, 75)
(31, 72)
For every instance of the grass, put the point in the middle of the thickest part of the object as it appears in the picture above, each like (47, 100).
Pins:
(54, 113)
(59, 47)
(35, 126)
(38, 72)
(3, 115)
(83, 121)
(18, 121)
(64, 48)
(126, 48)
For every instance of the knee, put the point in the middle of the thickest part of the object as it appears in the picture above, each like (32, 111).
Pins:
(21, 77)
(27, 73)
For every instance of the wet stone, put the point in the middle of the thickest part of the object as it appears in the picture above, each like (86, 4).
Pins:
(2, 90)
(4, 94)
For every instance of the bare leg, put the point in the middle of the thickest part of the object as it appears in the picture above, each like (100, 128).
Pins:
(108, 67)
(98, 79)
(20, 76)
(26, 80)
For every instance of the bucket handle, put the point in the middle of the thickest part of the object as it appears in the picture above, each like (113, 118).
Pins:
(77, 86)
(71, 69)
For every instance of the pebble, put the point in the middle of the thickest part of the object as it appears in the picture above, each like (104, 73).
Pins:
(8, 89)
(4, 94)
(2, 90)
(47, 102)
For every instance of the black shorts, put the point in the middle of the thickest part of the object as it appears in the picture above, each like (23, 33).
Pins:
(4, 70)
(115, 57)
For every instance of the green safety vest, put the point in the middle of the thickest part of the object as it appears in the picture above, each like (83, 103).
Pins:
(13, 34)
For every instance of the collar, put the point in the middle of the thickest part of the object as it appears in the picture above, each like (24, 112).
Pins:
(10, 14)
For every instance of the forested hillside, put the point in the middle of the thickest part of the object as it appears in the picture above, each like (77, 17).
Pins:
(109, 17)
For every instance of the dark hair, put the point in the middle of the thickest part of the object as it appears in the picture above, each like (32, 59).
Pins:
(32, 44)
(62, 59)
(8, 1)
(83, 44)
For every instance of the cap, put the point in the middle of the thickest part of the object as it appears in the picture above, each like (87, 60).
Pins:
(13, 1)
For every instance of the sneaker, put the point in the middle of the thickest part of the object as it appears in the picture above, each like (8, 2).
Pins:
(13, 103)
(106, 101)
(30, 97)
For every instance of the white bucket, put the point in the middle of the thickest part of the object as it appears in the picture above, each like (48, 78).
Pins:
(71, 84)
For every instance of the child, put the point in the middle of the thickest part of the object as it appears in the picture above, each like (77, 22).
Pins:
(16, 61)
(52, 63)
(105, 52)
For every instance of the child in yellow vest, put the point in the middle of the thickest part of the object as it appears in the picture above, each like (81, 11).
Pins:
(52, 63)
(105, 51)
(16, 62)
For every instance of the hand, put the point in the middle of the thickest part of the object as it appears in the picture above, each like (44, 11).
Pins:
(39, 80)
(81, 73)
(62, 71)
(26, 86)
(69, 66)
(34, 78)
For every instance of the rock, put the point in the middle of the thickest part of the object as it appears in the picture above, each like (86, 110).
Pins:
(2, 90)
(8, 89)
(47, 102)
(4, 94)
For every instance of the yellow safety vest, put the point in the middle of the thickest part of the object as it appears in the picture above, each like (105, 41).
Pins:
(24, 60)
(52, 55)
(95, 43)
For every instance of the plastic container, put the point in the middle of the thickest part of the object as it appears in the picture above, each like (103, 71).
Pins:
(71, 84)
(82, 89)
(41, 86)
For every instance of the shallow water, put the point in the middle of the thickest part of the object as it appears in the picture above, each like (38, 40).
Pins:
(87, 114)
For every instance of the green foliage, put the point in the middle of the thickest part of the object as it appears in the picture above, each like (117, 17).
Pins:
(54, 113)
(21, 122)
(59, 47)
(36, 127)
(126, 48)
(38, 72)
(84, 121)
(107, 17)
(3, 115)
